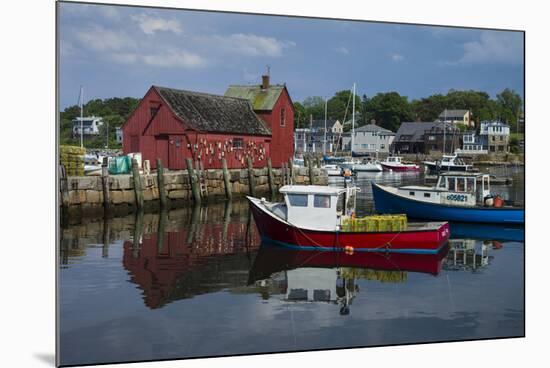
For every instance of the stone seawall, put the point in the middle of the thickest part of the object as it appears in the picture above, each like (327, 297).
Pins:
(85, 193)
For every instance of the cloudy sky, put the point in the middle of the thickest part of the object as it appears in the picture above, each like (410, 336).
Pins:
(122, 51)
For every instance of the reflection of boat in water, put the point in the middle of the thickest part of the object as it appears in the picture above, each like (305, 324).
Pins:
(302, 276)
(467, 255)
(487, 231)
(272, 258)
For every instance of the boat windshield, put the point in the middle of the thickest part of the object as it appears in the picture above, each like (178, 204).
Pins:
(297, 200)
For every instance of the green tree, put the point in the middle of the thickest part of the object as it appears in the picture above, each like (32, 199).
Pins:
(340, 105)
(114, 112)
(389, 110)
(510, 104)
(314, 108)
(429, 108)
(299, 115)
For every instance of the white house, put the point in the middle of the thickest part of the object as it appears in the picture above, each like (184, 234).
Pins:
(473, 144)
(90, 125)
(497, 134)
(370, 139)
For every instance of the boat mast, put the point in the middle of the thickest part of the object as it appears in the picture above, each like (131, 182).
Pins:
(352, 120)
(81, 116)
(444, 129)
(325, 141)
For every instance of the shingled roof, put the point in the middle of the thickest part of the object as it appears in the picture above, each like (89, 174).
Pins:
(373, 128)
(414, 131)
(261, 99)
(213, 113)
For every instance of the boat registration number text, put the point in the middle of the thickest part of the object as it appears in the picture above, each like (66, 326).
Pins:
(457, 197)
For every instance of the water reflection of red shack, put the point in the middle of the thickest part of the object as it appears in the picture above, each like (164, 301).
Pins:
(190, 261)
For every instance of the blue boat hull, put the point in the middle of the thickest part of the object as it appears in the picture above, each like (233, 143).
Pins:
(386, 202)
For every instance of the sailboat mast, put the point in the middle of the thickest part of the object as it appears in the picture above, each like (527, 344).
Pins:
(444, 129)
(353, 120)
(81, 116)
(325, 141)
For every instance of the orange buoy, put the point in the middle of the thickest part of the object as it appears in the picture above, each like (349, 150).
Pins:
(497, 201)
(348, 249)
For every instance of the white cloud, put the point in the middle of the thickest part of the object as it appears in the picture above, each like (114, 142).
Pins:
(251, 44)
(110, 12)
(175, 58)
(66, 48)
(342, 50)
(150, 24)
(494, 47)
(397, 57)
(124, 58)
(101, 39)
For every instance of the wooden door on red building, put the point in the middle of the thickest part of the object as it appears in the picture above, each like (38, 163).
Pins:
(161, 142)
(176, 146)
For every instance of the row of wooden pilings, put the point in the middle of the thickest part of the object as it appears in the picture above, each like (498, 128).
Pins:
(197, 181)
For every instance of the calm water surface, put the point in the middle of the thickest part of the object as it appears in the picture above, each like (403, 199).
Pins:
(197, 282)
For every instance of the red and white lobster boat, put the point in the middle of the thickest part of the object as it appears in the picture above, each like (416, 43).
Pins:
(311, 218)
(394, 163)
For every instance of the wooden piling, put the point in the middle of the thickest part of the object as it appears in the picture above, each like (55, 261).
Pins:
(310, 170)
(270, 180)
(226, 220)
(160, 231)
(137, 184)
(138, 230)
(291, 168)
(105, 185)
(106, 237)
(226, 182)
(202, 180)
(195, 219)
(160, 184)
(64, 188)
(251, 186)
(193, 180)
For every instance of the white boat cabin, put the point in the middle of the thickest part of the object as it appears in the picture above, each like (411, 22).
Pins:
(457, 189)
(393, 160)
(314, 206)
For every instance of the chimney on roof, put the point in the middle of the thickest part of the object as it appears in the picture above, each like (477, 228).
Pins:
(265, 81)
(373, 121)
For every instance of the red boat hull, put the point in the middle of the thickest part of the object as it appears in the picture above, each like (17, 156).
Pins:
(278, 231)
(400, 168)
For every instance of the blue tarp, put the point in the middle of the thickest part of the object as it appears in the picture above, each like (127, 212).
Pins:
(120, 165)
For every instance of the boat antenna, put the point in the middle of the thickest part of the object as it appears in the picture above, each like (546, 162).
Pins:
(81, 99)
(353, 120)
(325, 138)
(444, 128)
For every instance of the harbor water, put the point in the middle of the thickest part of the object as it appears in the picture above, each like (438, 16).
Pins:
(197, 282)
